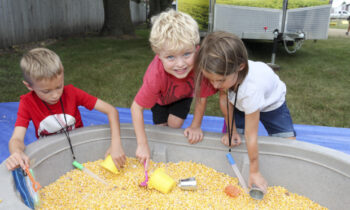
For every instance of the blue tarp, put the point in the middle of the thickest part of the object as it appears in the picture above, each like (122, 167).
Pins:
(331, 137)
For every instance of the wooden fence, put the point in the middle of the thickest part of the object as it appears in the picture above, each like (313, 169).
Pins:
(23, 21)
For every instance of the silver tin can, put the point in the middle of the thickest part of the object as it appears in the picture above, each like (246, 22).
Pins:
(256, 193)
(188, 184)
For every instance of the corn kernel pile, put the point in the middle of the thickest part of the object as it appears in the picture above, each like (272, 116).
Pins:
(78, 190)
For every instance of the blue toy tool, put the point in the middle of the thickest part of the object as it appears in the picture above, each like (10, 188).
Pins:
(237, 172)
(27, 187)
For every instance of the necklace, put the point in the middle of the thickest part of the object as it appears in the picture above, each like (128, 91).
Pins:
(230, 126)
(65, 128)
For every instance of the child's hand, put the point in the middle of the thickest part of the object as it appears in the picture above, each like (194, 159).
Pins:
(118, 156)
(235, 141)
(17, 159)
(194, 135)
(258, 180)
(143, 154)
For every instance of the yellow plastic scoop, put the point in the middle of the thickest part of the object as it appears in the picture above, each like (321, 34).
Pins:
(109, 165)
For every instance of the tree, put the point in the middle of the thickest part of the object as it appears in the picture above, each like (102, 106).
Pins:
(117, 18)
(157, 6)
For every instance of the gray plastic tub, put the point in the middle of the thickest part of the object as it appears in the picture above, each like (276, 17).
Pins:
(318, 173)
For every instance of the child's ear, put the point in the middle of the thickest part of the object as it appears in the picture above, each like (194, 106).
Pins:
(27, 85)
(241, 67)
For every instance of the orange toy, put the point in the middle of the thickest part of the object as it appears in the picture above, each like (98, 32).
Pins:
(232, 191)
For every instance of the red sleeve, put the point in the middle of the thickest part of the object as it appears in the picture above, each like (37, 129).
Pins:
(207, 89)
(23, 116)
(151, 88)
(83, 98)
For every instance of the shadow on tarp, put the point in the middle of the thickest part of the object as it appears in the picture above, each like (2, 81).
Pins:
(331, 137)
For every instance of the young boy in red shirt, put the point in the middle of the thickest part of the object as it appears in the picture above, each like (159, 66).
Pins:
(53, 107)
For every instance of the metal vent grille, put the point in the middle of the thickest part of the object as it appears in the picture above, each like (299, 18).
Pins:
(247, 22)
(310, 20)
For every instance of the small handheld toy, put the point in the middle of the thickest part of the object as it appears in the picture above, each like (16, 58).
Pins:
(27, 187)
(254, 192)
(232, 191)
(144, 183)
(87, 171)
(108, 164)
(237, 172)
(161, 181)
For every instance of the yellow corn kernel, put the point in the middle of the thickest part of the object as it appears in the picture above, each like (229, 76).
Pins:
(76, 190)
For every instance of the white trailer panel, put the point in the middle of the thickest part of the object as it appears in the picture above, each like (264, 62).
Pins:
(313, 21)
(247, 22)
(260, 23)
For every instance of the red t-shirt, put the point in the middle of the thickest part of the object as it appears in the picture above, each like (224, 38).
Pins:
(163, 88)
(45, 120)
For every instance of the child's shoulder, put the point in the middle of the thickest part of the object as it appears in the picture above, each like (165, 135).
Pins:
(69, 87)
(156, 68)
(156, 64)
(28, 99)
(72, 91)
(252, 64)
(259, 67)
(27, 96)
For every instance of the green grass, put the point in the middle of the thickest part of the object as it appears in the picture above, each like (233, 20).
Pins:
(109, 68)
(198, 9)
(317, 76)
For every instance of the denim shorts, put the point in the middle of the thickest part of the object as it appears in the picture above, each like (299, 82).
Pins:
(277, 122)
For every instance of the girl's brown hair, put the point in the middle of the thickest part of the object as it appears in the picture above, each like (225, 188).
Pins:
(221, 53)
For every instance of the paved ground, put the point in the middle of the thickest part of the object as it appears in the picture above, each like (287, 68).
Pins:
(337, 32)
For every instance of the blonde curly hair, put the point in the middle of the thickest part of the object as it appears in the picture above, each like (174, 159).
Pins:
(174, 31)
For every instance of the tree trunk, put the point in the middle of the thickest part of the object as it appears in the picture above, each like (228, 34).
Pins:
(158, 6)
(117, 18)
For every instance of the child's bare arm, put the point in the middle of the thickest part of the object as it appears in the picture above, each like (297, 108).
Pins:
(16, 148)
(194, 133)
(116, 148)
(251, 136)
(142, 152)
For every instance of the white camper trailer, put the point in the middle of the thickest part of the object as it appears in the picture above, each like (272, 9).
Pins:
(282, 23)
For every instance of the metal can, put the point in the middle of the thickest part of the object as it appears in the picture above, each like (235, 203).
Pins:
(256, 193)
(188, 184)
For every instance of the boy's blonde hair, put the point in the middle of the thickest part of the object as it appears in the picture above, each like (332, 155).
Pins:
(173, 30)
(40, 63)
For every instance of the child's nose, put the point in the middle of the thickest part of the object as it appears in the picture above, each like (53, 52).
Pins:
(216, 85)
(55, 94)
(180, 62)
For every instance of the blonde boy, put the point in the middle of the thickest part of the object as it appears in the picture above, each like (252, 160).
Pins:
(53, 107)
(168, 82)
